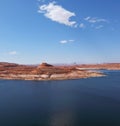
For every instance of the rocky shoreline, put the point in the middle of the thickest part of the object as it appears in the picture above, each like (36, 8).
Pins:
(72, 75)
(44, 72)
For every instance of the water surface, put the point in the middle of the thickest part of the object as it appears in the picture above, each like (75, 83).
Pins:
(84, 102)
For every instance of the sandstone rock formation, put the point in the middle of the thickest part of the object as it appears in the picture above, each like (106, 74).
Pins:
(46, 71)
(45, 65)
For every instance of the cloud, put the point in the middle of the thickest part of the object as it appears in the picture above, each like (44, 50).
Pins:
(71, 40)
(82, 25)
(66, 41)
(87, 18)
(95, 20)
(41, 1)
(57, 13)
(63, 41)
(12, 53)
(76, 25)
(99, 27)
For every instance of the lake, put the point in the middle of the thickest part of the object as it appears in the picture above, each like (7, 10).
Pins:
(83, 102)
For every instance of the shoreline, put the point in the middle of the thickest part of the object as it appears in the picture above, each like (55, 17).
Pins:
(31, 78)
(47, 72)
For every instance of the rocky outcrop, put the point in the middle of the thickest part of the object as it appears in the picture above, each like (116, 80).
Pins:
(47, 71)
(43, 65)
(107, 66)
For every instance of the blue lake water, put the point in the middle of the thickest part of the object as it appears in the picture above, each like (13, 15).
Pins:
(83, 102)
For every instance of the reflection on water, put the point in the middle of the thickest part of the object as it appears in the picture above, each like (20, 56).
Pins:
(84, 102)
(62, 119)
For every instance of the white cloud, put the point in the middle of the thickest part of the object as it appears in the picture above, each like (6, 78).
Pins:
(95, 20)
(99, 27)
(71, 40)
(57, 13)
(87, 18)
(63, 41)
(66, 41)
(12, 53)
(82, 25)
(41, 1)
(76, 25)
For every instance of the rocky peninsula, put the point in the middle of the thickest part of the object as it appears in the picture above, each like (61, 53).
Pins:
(46, 71)
(43, 71)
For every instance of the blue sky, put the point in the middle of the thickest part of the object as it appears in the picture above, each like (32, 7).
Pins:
(61, 31)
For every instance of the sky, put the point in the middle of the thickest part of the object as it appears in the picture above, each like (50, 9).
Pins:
(60, 31)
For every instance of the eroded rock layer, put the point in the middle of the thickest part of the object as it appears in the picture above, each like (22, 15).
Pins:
(46, 71)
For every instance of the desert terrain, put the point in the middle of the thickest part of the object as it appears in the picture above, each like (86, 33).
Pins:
(47, 71)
